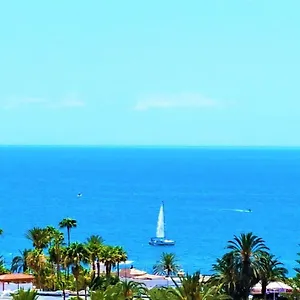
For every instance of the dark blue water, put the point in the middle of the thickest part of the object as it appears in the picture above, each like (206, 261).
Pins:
(206, 192)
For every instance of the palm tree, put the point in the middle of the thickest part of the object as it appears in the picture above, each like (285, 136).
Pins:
(37, 262)
(19, 263)
(51, 229)
(95, 239)
(25, 295)
(68, 223)
(1, 231)
(85, 281)
(108, 258)
(39, 237)
(121, 256)
(62, 285)
(107, 294)
(192, 287)
(127, 290)
(167, 265)
(227, 275)
(3, 269)
(297, 269)
(52, 233)
(247, 248)
(75, 255)
(55, 251)
(160, 293)
(270, 270)
(94, 244)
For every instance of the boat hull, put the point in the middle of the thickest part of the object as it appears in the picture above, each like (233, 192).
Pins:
(161, 242)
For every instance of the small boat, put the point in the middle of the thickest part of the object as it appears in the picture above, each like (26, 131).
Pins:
(160, 239)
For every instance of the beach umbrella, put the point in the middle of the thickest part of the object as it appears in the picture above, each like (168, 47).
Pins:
(272, 287)
(279, 287)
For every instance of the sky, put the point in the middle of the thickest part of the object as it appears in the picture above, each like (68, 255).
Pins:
(199, 73)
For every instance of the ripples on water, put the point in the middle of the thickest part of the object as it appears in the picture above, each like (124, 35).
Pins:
(207, 193)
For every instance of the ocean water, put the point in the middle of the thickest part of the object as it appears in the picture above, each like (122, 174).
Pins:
(206, 192)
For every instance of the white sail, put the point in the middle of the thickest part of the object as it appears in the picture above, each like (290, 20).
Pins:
(160, 230)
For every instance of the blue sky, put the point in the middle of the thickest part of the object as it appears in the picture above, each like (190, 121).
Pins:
(150, 72)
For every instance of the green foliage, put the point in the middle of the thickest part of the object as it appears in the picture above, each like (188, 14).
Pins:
(39, 237)
(227, 274)
(295, 284)
(94, 244)
(247, 261)
(297, 269)
(95, 240)
(75, 255)
(160, 293)
(103, 282)
(245, 252)
(111, 256)
(68, 223)
(123, 290)
(64, 283)
(270, 269)
(3, 269)
(129, 289)
(192, 287)
(295, 295)
(25, 295)
(167, 265)
(102, 295)
(19, 263)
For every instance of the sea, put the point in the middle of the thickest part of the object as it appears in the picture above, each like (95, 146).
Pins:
(207, 193)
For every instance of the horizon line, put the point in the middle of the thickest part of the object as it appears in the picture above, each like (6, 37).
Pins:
(150, 146)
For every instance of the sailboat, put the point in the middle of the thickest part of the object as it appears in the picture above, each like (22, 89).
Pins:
(160, 239)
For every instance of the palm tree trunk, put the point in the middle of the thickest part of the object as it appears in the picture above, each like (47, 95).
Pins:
(58, 256)
(118, 269)
(93, 267)
(69, 239)
(25, 268)
(58, 270)
(264, 289)
(39, 286)
(107, 270)
(98, 267)
(68, 269)
(77, 291)
(246, 279)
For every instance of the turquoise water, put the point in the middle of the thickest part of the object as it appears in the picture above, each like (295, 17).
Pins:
(206, 191)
